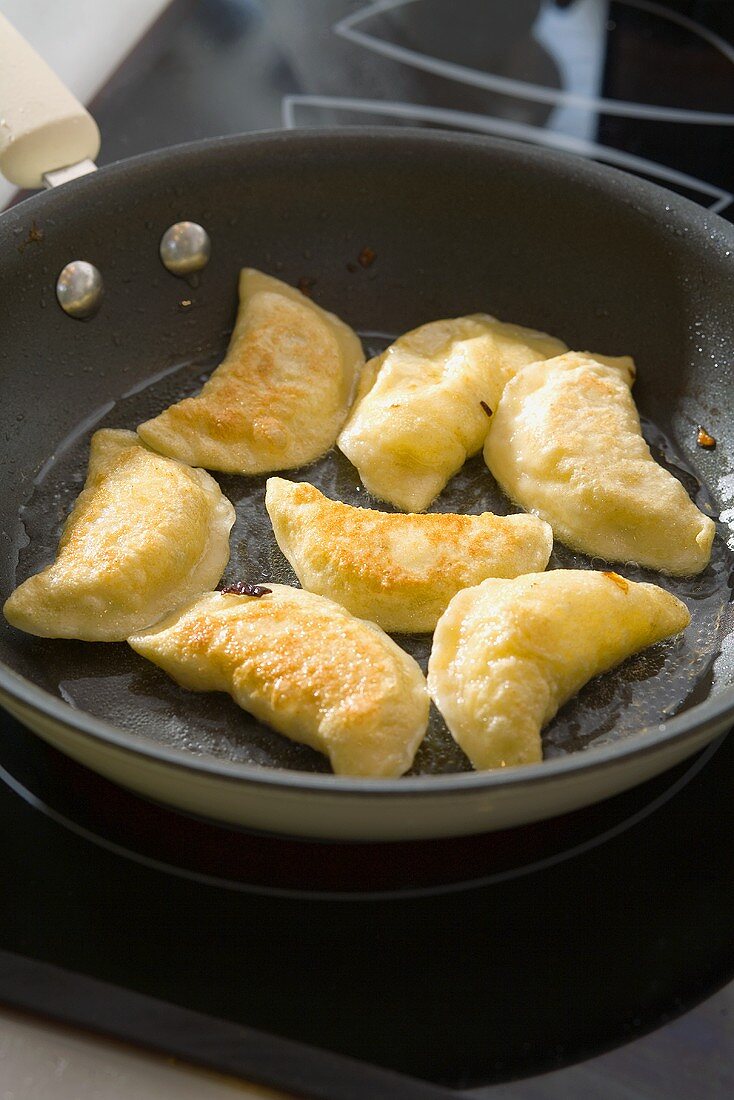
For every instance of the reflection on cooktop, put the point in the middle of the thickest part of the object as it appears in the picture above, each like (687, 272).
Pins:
(641, 85)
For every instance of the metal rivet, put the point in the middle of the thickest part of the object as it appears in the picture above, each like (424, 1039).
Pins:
(79, 289)
(185, 247)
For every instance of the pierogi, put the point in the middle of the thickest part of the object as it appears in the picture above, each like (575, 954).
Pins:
(398, 570)
(508, 653)
(424, 406)
(279, 397)
(306, 667)
(565, 443)
(145, 534)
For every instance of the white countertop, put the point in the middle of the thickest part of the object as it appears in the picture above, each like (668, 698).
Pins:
(41, 1061)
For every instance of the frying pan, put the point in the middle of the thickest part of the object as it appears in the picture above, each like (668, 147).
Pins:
(457, 224)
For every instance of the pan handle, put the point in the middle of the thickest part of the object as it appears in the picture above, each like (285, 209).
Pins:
(43, 127)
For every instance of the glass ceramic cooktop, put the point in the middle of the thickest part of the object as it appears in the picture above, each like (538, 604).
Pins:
(468, 962)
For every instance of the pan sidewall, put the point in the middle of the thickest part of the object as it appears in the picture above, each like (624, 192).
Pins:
(337, 814)
(79, 211)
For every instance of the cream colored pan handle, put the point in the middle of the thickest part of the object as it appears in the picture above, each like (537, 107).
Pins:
(46, 136)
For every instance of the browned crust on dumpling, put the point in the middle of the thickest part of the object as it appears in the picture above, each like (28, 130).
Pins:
(280, 395)
(306, 667)
(398, 570)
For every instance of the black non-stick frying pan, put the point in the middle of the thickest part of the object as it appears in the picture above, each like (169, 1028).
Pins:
(457, 225)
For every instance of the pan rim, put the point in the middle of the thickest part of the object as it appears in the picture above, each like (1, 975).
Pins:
(604, 176)
(707, 717)
(589, 761)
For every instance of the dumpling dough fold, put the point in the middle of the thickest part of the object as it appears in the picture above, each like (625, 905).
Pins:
(565, 443)
(398, 570)
(424, 406)
(145, 534)
(279, 397)
(508, 653)
(306, 667)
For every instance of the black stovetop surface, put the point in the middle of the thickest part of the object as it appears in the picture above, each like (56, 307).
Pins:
(477, 960)
(466, 961)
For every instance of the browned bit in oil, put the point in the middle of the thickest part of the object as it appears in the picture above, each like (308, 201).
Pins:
(367, 257)
(705, 440)
(242, 588)
(305, 285)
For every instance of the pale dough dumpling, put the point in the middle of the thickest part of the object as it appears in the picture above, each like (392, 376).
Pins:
(507, 654)
(279, 397)
(398, 570)
(424, 406)
(145, 534)
(565, 443)
(306, 667)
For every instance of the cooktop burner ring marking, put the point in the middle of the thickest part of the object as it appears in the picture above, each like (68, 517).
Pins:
(493, 879)
(347, 28)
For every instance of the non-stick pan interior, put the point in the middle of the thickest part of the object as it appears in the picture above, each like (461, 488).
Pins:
(457, 226)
